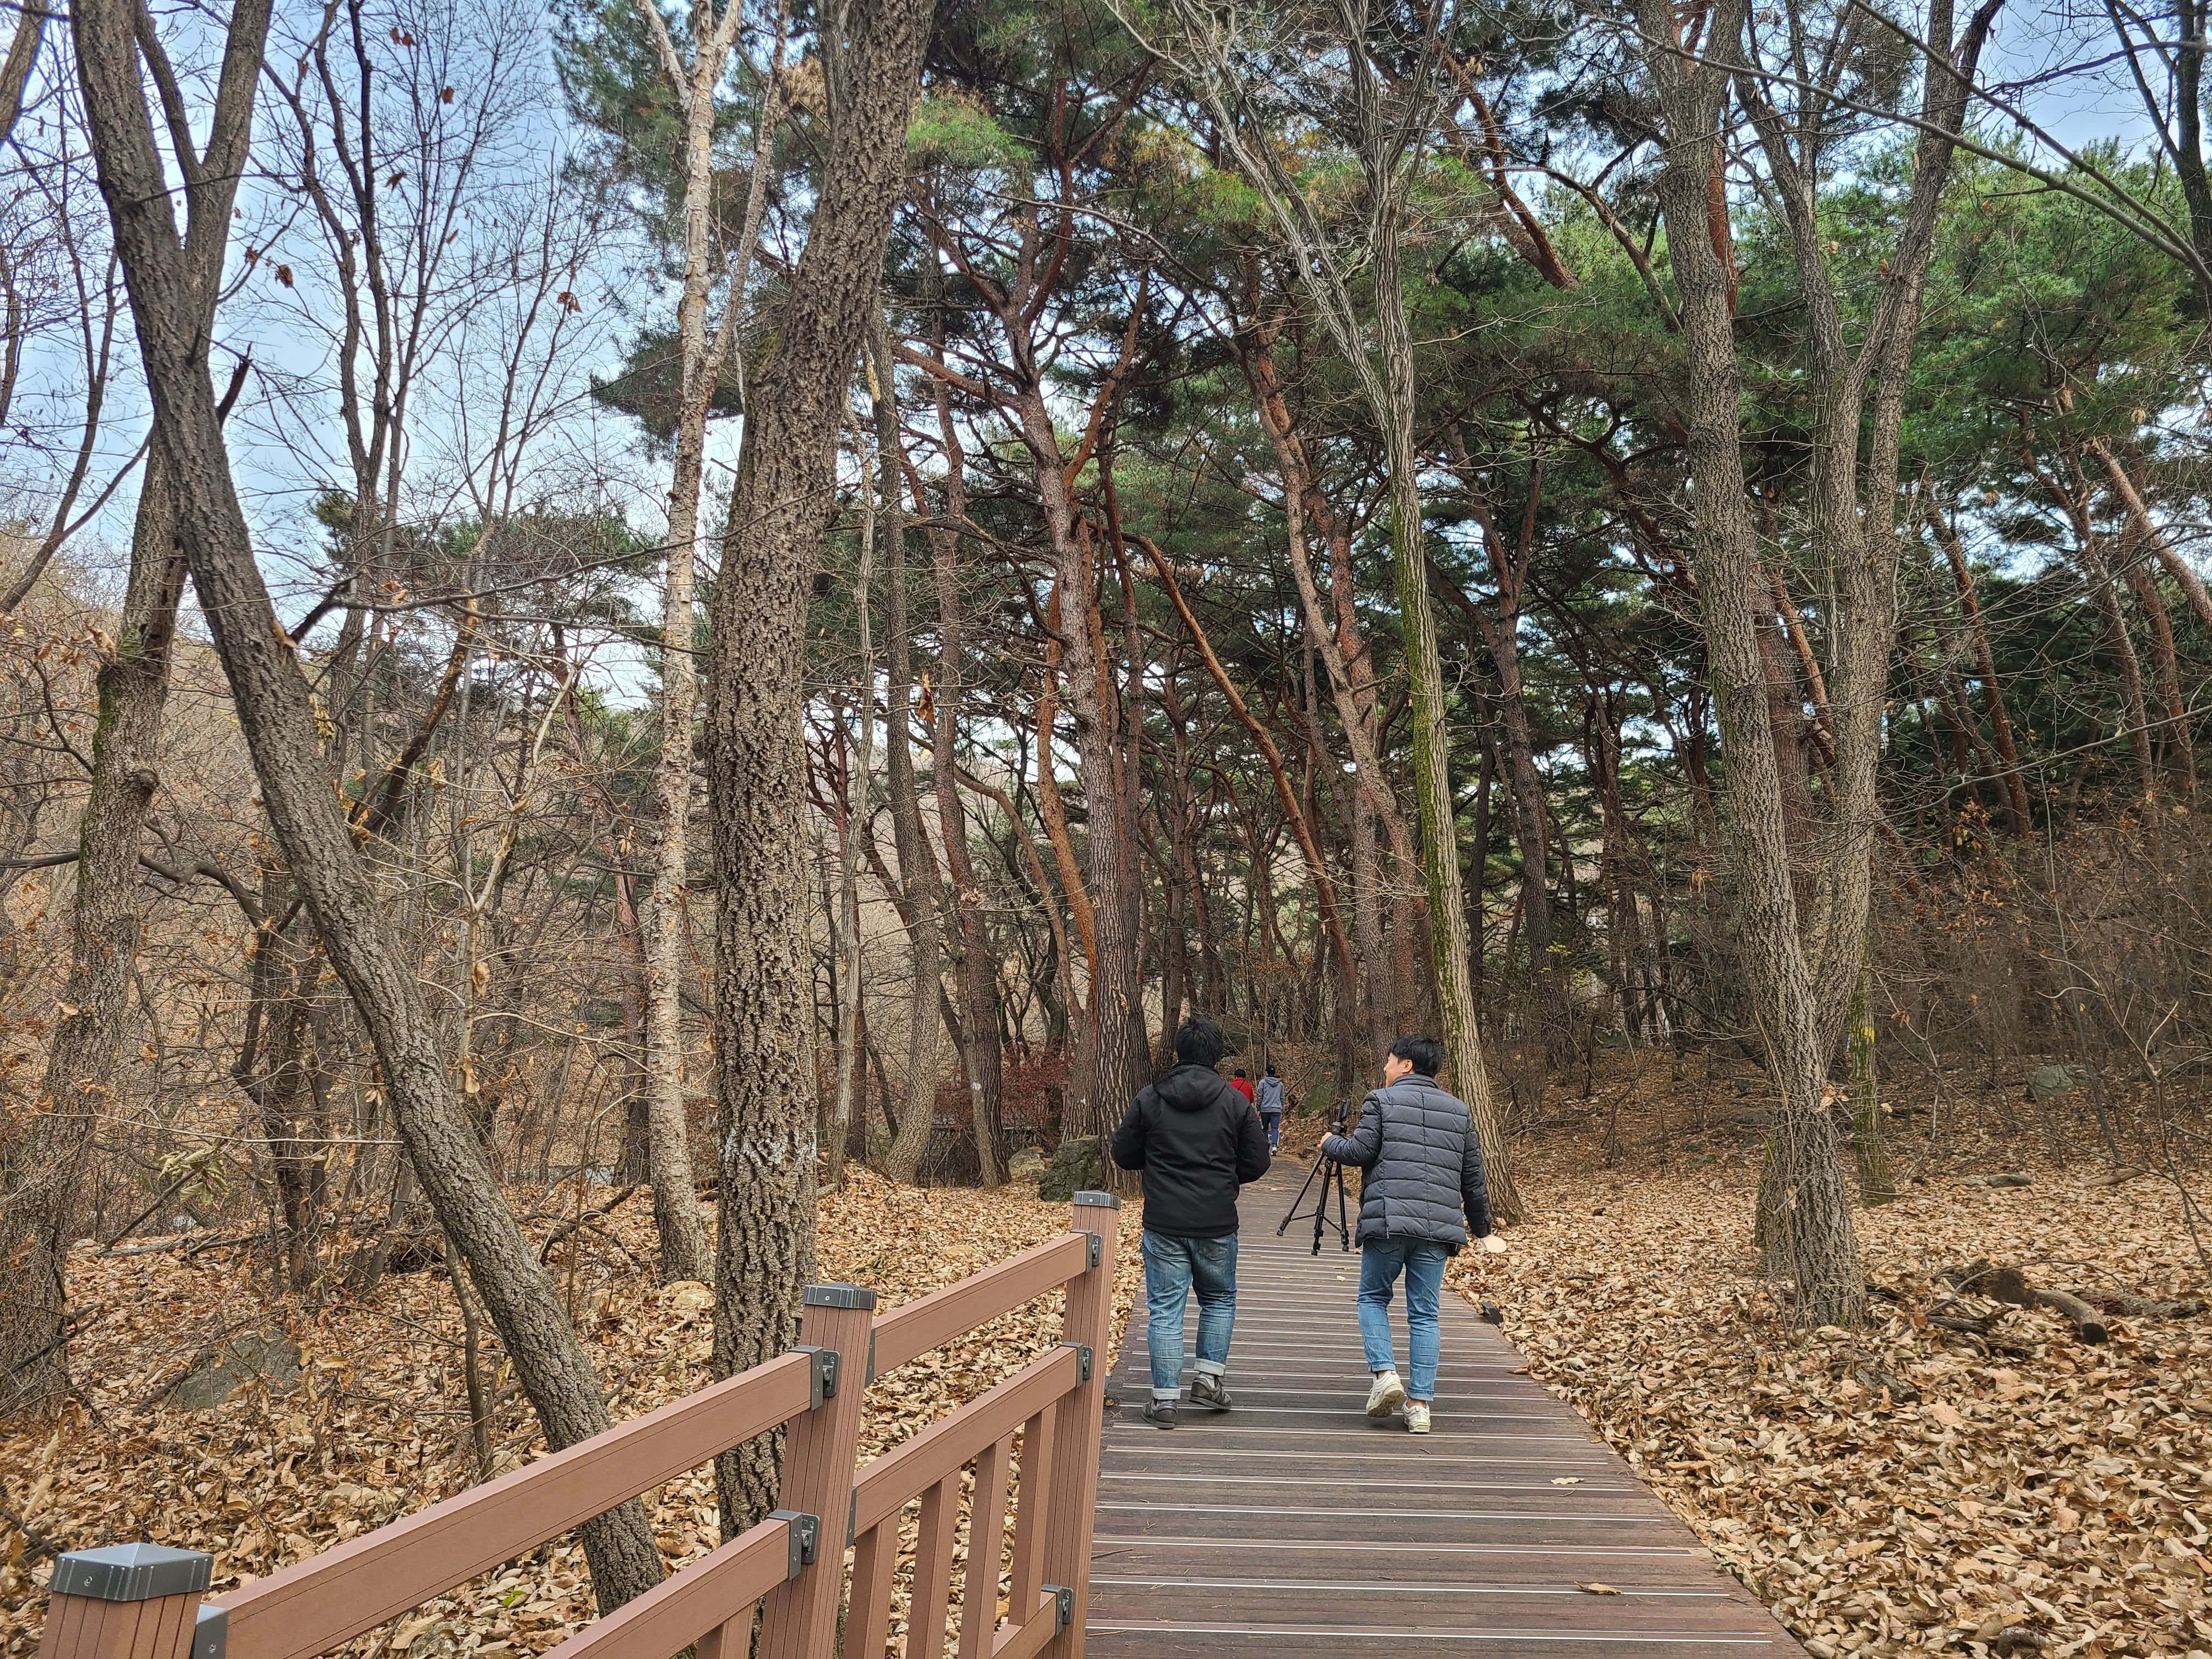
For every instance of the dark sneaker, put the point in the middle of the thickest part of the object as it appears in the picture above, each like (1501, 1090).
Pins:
(1160, 1413)
(1205, 1389)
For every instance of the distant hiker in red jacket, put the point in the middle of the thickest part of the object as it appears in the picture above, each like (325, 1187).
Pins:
(1242, 1084)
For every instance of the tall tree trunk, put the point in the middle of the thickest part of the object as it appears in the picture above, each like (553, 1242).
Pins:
(684, 1254)
(756, 731)
(1500, 637)
(84, 1063)
(1117, 1015)
(917, 864)
(979, 961)
(276, 713)
(1813, 1240)
(1526, 797)
(852, 972)
(1432, 742)
(1389, 988)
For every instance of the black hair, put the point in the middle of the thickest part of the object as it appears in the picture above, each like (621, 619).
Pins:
(1425, 1054)
(1271, 1071)
(1198, 1041)
(1240, 1071)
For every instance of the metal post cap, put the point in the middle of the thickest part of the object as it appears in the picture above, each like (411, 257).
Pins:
(1097, 1201)
(839, 1295)
(132, 1572)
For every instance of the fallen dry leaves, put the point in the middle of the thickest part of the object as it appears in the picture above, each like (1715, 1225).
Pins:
(378, 1425)
(1899, 1490)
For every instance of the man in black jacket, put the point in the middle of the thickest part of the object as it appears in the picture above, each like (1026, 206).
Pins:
(1197, 1140)
(1423, 1195)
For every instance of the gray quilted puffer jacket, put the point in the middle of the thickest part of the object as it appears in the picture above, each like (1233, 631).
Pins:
(1424, 1165)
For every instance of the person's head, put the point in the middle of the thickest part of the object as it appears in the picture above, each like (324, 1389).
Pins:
(1423, 1056)
(1271, 1071)
(1198, 1041)
(1238, 1073)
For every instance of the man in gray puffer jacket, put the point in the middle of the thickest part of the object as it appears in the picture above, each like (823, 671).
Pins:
(1423, 1195)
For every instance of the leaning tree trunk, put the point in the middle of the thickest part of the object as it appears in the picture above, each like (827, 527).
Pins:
(755, 733)
(84, 1064)
(1432, 796)
(276, 713)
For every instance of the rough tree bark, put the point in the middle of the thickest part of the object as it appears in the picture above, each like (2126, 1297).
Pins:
(1801, 965)
(84, 1063)
(1816, 1241)
(756, 734)
(276, 713)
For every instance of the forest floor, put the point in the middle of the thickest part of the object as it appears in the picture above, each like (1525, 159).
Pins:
(1905, 1488)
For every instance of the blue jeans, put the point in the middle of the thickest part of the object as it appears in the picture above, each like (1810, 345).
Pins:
(1172, 1267)
(1422, 1264)
(1272, 1123)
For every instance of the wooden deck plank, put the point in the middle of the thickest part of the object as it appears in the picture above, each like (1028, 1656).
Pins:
(1296, 1525)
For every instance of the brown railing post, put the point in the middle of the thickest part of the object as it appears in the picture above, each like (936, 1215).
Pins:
(1074, 1481)
(799, 1618)
(131, 1602)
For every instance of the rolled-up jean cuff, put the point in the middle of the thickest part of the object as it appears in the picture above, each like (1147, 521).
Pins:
(1209, 1368)
(1167, 1393)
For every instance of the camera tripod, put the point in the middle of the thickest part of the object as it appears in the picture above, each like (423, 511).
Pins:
(1328, 1172)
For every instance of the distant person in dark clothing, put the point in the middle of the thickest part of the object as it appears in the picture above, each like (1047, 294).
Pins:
(1423, 1196)
(1271, 1108)
(1242, 1084)
(1197, 1140)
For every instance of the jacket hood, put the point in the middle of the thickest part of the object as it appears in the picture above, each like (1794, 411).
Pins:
(1189, 1088)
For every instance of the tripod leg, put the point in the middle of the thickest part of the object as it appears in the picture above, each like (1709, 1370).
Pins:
(1343, 1227)
(1301, 1198)
(1321, 1203)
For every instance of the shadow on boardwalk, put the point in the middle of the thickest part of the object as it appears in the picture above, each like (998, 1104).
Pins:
(1293, 1524)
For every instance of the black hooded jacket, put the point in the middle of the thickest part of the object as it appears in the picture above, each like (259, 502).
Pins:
(1197, 1140)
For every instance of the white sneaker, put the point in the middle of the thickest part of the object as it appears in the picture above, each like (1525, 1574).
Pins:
(1417, 1418)
(1382, 1399)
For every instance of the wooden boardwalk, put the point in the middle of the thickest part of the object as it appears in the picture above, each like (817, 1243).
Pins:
(1295, 1525)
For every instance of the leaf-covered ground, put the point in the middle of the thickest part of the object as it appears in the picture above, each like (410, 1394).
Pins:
(1905, 1489)
(378, 1424)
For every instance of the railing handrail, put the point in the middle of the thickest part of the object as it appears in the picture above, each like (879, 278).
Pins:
(312, 1606)
(709, 1593)
(144, 1602)
(930, 1321)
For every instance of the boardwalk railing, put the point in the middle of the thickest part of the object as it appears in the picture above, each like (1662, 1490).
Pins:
(144, 1602)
